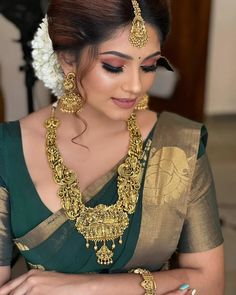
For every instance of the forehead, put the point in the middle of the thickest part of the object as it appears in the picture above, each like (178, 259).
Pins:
(120, 42)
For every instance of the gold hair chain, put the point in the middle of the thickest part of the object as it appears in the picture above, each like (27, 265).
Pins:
(102, 224)
(138, 34)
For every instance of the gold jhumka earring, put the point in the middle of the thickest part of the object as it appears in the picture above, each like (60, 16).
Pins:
(143, 104)
(71, 102)
(138, 35)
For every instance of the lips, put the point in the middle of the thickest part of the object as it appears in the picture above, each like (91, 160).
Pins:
(124, 99)
(125, 103)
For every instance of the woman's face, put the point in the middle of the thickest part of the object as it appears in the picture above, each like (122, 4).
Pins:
(121, 75)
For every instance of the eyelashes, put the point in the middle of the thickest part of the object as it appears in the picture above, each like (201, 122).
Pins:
(116, 70)
(109, 68)
(151, 68)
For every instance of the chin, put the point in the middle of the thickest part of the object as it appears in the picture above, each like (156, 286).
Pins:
(121, 115)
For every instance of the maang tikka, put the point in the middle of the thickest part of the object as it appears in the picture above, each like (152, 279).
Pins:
(138, 34)
(71, 102)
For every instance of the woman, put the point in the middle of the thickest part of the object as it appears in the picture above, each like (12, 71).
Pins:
(101, 191)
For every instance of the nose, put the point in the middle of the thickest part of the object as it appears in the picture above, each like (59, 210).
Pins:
(132, 83)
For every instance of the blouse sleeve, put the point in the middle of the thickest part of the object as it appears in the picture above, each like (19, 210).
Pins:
(5, 232)
(5, 228)
(201, 230)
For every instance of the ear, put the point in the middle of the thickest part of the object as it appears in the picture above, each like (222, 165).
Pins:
(67, 62)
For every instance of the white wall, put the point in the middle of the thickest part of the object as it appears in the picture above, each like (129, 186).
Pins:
(12, 80)
(221, 81)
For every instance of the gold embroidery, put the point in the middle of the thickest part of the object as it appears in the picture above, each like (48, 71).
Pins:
(36, 266)
(21, 246)
(172, 177)
(160, 224)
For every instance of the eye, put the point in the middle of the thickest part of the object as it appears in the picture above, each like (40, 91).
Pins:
(151, 68)
(109, 68)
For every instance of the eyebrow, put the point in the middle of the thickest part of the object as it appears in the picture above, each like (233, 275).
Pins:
(128, 56)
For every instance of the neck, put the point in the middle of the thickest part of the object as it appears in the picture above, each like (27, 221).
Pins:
(95, 122)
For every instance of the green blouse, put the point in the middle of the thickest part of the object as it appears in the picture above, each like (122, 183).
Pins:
(175, 201)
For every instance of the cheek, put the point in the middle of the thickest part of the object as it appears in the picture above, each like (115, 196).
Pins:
(98, 81)
(148, 81)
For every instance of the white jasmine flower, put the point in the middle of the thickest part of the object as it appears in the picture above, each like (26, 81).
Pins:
(45, 62)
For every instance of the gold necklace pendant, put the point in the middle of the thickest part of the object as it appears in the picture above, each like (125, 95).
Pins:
(103, 224)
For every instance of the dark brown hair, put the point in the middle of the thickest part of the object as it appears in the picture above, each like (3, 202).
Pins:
(76, 24)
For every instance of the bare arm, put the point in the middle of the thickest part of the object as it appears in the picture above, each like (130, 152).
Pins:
(211, 266)
(5, 274)
(202, 271)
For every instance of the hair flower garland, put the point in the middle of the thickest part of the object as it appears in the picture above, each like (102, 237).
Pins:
(45, 62)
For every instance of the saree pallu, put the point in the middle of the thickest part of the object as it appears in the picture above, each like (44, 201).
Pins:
(176, 210)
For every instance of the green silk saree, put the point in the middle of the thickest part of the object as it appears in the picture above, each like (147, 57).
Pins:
(176, 210)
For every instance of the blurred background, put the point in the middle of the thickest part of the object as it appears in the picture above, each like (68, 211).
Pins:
(202, 49)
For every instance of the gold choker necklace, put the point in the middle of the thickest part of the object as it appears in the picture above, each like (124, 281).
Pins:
(102, 224)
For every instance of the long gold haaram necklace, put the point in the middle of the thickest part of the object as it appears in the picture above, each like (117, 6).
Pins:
(102, 224)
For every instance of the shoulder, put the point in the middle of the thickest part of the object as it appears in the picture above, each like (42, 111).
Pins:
(172, 125)
(32, 125)
(175, 130)
(9, 138)
(148, 118)
(31, 122)
(9, 131)
(176, 122)
(8, 126)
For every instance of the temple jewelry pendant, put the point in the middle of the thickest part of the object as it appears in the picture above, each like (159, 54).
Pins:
(104, 255)
(102, 225)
